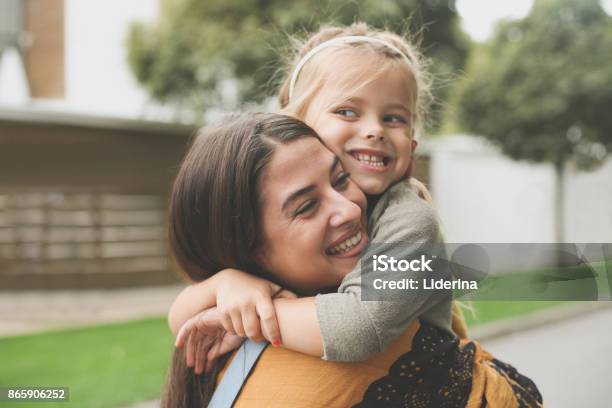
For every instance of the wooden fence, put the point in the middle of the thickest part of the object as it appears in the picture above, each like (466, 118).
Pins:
(84, 205)
(57, 240)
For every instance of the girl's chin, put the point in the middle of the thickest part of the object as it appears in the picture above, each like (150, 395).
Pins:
(371, 186)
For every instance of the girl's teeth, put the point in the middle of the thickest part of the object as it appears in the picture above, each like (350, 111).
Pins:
(370, 160)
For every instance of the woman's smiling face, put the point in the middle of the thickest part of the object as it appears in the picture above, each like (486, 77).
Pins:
(313, 220)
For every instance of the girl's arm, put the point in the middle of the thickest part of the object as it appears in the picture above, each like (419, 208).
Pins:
(205, 339)
(241, 296)
(299, 325)
(192, 300)
(237, 296)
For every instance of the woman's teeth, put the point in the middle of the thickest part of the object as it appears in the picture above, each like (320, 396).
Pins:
(346, 245)
(370, 160)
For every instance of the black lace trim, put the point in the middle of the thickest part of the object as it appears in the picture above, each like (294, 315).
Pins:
(437, 372)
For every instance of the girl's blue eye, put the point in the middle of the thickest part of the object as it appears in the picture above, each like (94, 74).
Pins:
(347, 112)
(395, 119)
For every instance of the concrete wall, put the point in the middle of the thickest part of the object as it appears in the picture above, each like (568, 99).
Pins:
(483, 196)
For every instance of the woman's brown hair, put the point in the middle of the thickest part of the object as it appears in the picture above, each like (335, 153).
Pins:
(214, 216)
(215, 203)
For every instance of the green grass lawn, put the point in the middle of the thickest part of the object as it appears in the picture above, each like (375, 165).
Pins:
(489, 311)
(115, 365)
(104, 366)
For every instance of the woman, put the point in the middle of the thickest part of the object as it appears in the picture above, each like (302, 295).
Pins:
(218, 221)
(269, 150)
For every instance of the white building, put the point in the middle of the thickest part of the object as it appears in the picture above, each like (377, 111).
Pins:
(484, 196)
(74, 55)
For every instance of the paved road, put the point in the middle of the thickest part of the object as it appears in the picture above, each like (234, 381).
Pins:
(570, 361)
(36, 311)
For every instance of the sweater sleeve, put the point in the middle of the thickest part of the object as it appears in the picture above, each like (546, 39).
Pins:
(354, 329)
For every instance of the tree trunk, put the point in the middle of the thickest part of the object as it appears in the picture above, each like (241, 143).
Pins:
(559, 205)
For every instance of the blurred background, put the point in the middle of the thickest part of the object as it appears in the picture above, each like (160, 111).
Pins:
(99, 100)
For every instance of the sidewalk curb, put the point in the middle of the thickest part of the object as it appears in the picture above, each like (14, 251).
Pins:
(156, 403)
(537, 319)
(32, 312)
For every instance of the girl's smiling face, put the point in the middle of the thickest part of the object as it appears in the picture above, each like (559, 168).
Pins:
(313, 220)
(370, 128)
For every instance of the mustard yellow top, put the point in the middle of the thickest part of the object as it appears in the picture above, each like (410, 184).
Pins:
(284, 378)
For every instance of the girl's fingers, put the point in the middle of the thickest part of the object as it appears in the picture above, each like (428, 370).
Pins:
(252, 326)
(285, 294)
(198, 358)
(183, 333)
(212, 354)
(268, 321)
(226, 322)
(237, 323)
(189, 352)
(201, 344)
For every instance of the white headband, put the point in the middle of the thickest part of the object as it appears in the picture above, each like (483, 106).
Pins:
(340, 40)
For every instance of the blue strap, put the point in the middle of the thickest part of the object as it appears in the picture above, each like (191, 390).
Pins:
(236, 374)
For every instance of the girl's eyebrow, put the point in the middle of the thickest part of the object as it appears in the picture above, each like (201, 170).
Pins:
(399, 106)
(308, 189)
(356, 100)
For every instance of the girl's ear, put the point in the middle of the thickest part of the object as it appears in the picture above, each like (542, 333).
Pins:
(408, 173)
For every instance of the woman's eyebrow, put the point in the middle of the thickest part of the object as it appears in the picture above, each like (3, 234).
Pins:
(308, 189)
(297, 194)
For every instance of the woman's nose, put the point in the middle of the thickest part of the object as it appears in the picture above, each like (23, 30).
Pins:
(344, 211)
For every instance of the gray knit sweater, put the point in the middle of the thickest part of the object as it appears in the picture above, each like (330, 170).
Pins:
(354, 330)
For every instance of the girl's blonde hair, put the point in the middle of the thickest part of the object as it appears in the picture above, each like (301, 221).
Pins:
(314, 75)
(320, 69)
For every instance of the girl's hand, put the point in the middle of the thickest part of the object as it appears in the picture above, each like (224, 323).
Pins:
(205, 340)
(245, 307)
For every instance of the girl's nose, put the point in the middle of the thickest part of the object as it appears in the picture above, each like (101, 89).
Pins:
(344, 211)
(374, 131)
(375, 136)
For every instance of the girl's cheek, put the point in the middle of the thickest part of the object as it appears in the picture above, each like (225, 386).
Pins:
(357, 196)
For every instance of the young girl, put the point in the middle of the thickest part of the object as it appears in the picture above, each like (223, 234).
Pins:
(364, 92)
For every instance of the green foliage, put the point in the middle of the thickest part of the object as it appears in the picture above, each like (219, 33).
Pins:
(196, 45)
(540, 89)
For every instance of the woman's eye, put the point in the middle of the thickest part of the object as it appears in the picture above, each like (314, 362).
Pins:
(306, 207)
(342, 180)
(349, 113)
